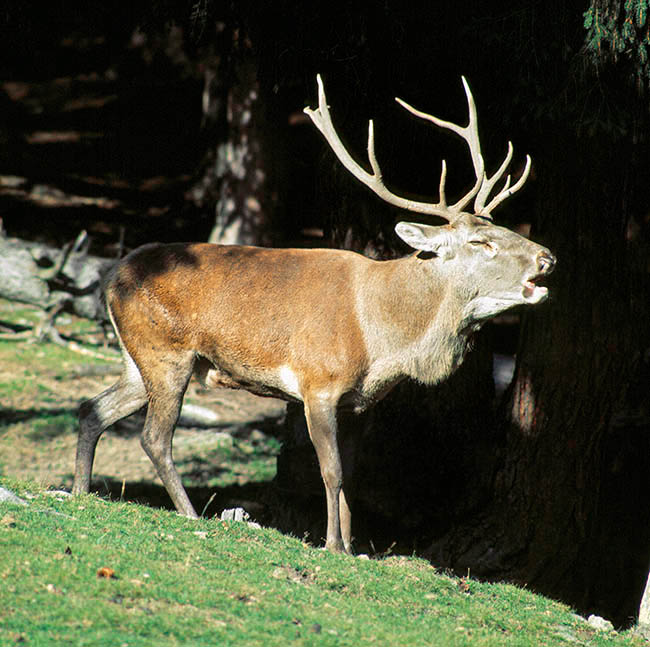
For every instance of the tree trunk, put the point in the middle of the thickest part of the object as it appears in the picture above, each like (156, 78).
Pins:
(563, 519)
(241, 172)
(644, 607)
(575, 364)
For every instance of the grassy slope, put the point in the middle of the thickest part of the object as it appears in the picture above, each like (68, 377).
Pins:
(184, 582)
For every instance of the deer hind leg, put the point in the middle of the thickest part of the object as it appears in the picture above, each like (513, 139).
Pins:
(166, 385)
(321, 423)
(122, 399)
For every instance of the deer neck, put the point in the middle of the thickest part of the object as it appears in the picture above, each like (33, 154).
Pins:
(412, 318)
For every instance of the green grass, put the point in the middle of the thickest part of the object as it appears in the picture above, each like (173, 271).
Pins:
(30, 360)
(233, 461)
(23, 362)
(184, 582)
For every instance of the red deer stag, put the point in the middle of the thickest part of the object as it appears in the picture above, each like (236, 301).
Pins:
(329, 328)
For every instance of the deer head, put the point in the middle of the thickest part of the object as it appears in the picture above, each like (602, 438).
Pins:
(470, 245)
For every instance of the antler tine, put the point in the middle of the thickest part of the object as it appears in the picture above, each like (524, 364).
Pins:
(479, 204)
(443, 179)
(481, 189)
(469, 133)
(508, 190)
(472, 132)
(323, 121)
(488, 183)
(376, 170)
(484, 185)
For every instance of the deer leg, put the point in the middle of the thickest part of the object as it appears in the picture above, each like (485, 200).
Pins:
(348, 438)
(321, 423)
(165, 399)
(122, 399)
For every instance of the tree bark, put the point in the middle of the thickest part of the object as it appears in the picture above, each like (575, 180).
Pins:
(559, 521)
(241, 170)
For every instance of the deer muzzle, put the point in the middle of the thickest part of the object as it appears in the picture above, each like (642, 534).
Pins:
(534, 293)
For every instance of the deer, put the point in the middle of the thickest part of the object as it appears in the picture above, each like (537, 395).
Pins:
(332, 329)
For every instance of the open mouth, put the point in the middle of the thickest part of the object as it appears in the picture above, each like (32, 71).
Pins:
(534, 293)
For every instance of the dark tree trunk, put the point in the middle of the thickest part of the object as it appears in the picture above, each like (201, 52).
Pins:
(567, 517)
(577, 360)
(242, 168)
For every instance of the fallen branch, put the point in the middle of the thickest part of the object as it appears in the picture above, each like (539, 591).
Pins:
(55, 281)
(95, 370)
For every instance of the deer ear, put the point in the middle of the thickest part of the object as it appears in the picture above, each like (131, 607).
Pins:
(427, 238)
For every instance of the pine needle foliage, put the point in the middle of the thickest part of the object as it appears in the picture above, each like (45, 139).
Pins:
(620, 29)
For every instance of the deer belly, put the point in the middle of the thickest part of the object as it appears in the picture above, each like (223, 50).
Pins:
(214, 378)
(279, 382)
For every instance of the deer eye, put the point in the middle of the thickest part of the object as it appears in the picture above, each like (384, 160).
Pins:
(486, 244)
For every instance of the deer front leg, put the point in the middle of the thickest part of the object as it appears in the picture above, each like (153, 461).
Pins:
(348, 437)
(321, 423)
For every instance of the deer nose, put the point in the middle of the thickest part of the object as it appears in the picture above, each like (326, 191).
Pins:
(545, 262)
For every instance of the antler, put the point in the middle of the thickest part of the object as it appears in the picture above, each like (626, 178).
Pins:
(481, 189)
